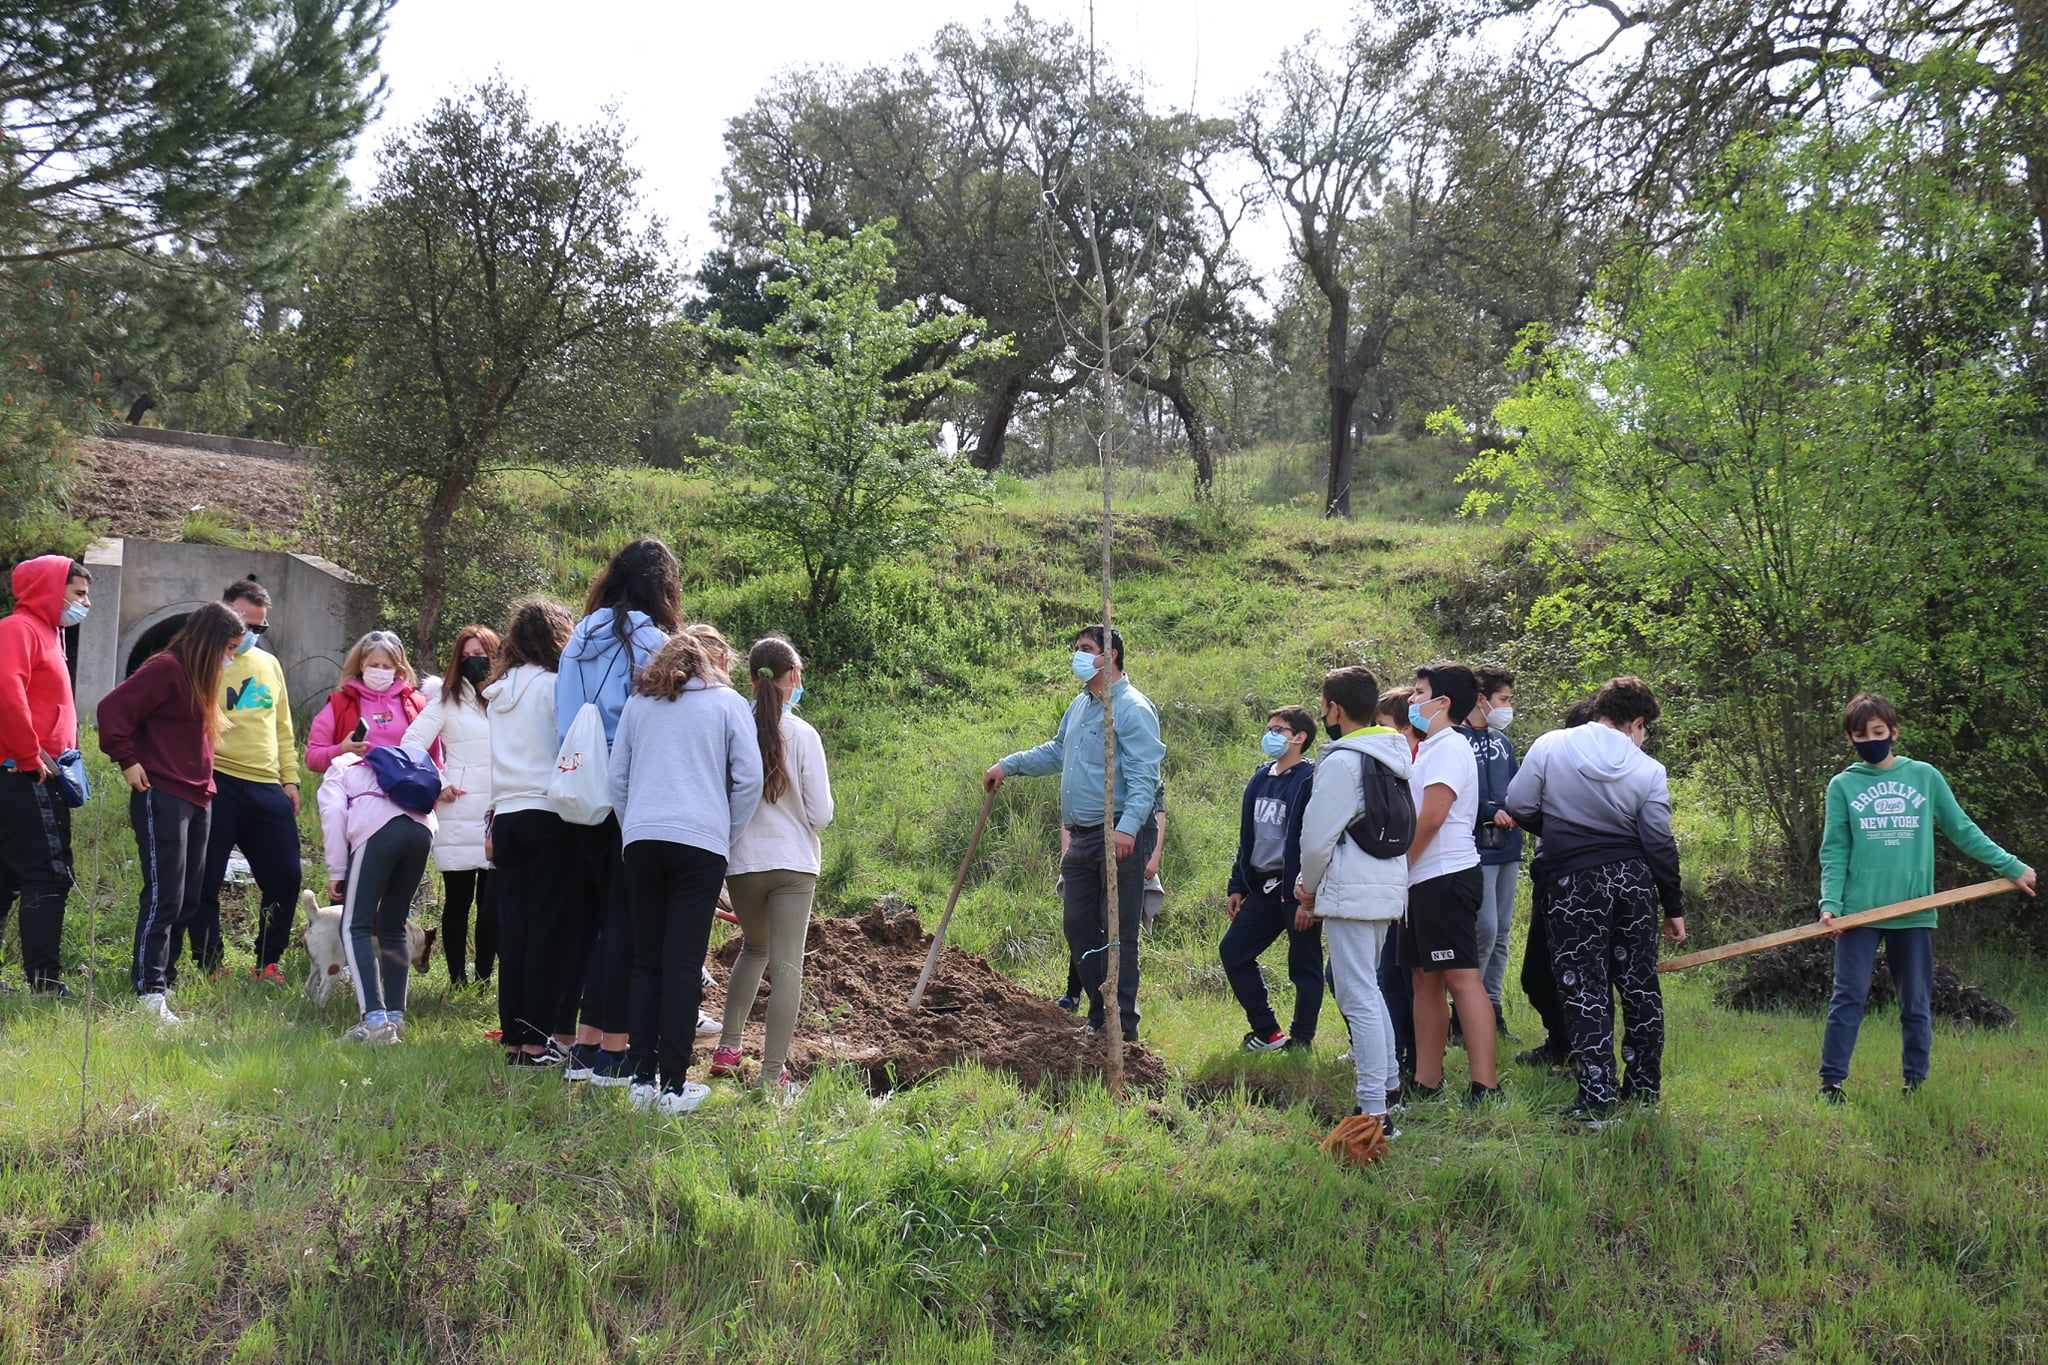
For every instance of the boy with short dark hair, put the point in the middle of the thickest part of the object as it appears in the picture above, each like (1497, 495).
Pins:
(1261, 901)
(1877, 848)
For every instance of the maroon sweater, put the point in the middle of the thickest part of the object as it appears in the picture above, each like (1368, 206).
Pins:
(150, 719)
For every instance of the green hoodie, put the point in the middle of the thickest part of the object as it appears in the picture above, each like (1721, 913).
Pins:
(1878, 846)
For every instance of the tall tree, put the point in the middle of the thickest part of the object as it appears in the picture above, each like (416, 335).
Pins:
(498, 304)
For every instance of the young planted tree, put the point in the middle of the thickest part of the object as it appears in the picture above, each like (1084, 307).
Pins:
(497, 304)
(828, 461)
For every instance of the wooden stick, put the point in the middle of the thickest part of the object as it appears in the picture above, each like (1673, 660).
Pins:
(1819, 930)
(931, 958)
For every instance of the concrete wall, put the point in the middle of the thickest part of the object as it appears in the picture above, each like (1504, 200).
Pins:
(318, 609)
(224, 445)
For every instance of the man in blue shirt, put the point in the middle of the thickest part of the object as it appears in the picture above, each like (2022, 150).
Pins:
(1075, 753)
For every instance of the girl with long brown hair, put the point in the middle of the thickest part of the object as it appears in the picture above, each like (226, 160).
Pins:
(772, 871)
(159, 726)
(685, 777)
(457, 720)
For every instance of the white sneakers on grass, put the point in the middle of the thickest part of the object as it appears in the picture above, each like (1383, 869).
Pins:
(648, 1100)
(155, 1007)
(706, 1025)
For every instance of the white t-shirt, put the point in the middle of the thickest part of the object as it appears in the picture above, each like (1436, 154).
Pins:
(1445, 759)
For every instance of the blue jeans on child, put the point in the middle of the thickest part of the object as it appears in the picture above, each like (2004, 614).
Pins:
(1910, 955)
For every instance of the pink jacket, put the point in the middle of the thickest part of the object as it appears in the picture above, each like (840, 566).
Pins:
(385, 715)
(352, 808)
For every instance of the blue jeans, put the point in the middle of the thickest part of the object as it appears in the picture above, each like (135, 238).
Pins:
(1910, 955)
(1260, 920)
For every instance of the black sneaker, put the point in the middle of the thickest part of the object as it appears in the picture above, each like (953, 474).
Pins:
(1387, 1128)
(1833, 1094)
(535, 1060)
(1271, 1043)
(1477, 1095)
(1538, 1056)
(1414, 1092)
(610, 1069)
(1071, 1004)
(1296, 1043)
(50, 990)
(1593, 1116)
(582, 1061)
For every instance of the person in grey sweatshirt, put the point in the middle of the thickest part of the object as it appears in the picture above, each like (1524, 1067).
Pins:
(689, 739)
(1602, 808)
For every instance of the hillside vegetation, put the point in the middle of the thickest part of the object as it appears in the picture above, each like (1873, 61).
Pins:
(248, 1188)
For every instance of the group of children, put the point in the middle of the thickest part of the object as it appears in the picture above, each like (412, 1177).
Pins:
(599, 920)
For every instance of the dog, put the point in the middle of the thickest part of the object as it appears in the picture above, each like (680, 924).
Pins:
(322, 941)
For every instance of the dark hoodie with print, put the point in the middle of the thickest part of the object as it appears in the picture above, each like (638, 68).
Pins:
(37, 713)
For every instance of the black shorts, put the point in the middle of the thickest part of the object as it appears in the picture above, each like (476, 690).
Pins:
(1441, 933)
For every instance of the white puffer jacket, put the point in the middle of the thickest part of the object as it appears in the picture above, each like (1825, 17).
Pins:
(1348, 882)
(464, 729)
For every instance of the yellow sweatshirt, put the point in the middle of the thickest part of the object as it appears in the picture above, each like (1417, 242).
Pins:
(258, 745)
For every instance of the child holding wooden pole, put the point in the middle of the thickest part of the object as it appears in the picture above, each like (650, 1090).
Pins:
(1877, 848)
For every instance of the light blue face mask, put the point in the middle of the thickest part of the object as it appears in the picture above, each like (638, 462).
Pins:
(1086, 665)
(74, 614)
(794, 698)
(1417, 719)
(248, 642)
(1274, 743)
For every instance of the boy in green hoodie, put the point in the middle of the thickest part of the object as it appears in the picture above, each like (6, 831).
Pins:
(1877, 848)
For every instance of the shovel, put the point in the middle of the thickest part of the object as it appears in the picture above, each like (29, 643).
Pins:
(931, 958)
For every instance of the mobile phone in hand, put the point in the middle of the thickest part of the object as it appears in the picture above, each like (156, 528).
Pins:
(361, 731)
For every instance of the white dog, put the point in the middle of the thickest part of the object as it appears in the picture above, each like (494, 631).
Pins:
(322, 939)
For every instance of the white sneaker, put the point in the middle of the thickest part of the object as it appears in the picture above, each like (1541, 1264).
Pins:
(157, 1008)
(367, 1032)
(681, 1101)
(1345, 1055)
(642, 1094)
(708, 979)
(707, 1025)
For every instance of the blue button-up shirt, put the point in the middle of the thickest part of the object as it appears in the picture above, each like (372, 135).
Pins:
(1075, 753)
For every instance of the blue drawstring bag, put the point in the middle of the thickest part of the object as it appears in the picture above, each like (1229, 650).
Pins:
(408, 776)
(71, 778)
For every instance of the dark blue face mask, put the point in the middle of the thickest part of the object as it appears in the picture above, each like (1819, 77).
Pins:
(1873, 751)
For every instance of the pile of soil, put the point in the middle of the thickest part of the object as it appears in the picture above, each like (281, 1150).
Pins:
(137, 488)
(1801, 976)
(858, 974)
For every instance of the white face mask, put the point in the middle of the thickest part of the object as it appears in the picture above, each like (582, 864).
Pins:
(1500, 717)
(379, 679)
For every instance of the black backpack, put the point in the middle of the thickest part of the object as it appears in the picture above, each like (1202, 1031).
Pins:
(1386, 826)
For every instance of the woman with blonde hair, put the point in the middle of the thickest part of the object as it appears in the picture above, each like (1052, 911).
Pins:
(159, 727)
(458, 721)
(772, 871)
(378, 690)
(690, 740)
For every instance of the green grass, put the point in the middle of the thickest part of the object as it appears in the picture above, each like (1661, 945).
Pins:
(248, 1188)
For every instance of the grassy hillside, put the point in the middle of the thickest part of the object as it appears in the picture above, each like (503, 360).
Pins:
(248, 1188)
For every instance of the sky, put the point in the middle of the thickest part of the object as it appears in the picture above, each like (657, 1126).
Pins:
(678, 69)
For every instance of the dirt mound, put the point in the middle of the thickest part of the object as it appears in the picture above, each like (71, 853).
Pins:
(858, 974)
(1801, 976)
(136, 488)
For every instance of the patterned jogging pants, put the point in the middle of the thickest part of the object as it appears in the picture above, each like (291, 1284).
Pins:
(1603, 924)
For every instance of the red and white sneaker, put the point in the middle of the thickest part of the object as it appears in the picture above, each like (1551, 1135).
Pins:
(726, 1061)
(268, 974)
(785, 1088)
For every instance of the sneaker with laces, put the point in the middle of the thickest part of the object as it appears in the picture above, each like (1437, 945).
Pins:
(1272, 1042)
(707, 1025)
(726, 1061)
(362, 1031)
(1296, 1043)
(1477, 1095)
(641, 1095)
(609, 1069)
(582, 1057)
(527, 1060)
(1415, 1092)
(682, 1099)
(1833, 1094)
(1070, 1003)
(57, 990)
(155, 1007)
(1345, 1055)
(1594, 1117)
(1387, 1127)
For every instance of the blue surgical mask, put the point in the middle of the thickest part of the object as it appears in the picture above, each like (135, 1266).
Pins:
(794, 698)
(1274, 743)
(1873, 751)
(248, 642)
(74, 614)
(1417, 719)
(1086, 665)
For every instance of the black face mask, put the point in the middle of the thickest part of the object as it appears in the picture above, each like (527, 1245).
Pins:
(1330, 729)
(475, 669)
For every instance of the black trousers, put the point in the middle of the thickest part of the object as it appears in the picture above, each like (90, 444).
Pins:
(1539, 978)
(1261, 919)
(256, 817)
(35, 864)
(1603, 938)
(538, 856)
(170, 840)
(1087, 918)
(602, 987)
(459, 890)
(675, 899)
(1397, 987)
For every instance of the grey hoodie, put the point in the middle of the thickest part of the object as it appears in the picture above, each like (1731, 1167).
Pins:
(1348, 882)
(686, 771)
(1594, 798)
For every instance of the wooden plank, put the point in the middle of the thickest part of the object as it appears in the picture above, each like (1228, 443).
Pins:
(1816, 929)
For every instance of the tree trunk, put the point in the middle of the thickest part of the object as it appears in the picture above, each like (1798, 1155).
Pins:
(1176, 394)
(434, 564)
(995, 425)
(1343, 398)
(142, 404)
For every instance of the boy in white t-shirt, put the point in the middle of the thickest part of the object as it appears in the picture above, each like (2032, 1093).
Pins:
(1440, 941)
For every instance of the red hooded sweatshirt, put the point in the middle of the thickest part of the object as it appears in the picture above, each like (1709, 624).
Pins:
(37, 715)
